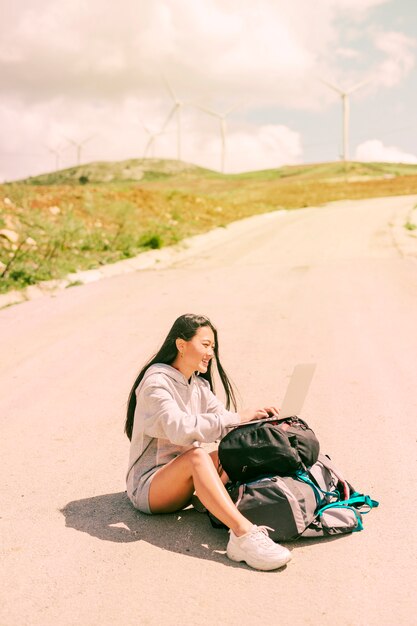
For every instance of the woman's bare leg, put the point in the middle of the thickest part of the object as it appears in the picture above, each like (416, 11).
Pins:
(173, 485)
(215, 458)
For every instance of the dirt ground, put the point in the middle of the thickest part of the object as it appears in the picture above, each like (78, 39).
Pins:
(334, 285)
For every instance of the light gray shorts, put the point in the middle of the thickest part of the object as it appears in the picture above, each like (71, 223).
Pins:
(140, 496)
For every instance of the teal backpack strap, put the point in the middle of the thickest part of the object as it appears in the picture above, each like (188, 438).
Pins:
(359, 499)
(318, 492)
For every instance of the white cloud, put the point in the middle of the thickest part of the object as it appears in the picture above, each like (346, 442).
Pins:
(399, 60)
(347, 53)
(375, 150)
(94, 49)
(265, 147)
(356, 7)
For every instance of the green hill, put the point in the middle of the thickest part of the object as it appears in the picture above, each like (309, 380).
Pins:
(131, 170)
(151, 170)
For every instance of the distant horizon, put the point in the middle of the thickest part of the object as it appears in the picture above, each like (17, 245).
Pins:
(266, 169)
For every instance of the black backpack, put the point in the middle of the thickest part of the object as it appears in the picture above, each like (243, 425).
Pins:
(273, 446)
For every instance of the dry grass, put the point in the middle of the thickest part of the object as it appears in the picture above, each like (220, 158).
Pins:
(61, 227)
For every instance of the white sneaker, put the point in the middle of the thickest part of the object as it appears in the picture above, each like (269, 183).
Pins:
(257, 549)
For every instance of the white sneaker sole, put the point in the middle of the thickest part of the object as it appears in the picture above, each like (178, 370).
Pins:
(265, 566)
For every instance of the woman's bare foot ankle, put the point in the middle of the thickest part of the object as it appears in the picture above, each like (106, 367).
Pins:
(242, 529)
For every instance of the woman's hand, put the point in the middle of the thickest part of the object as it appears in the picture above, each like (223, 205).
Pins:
(249, 415)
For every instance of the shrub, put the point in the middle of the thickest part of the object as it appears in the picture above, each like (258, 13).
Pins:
(153, 241)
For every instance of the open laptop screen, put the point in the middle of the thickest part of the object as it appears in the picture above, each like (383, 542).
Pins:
(297, 389)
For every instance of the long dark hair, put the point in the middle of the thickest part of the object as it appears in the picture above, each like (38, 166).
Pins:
(184, 327)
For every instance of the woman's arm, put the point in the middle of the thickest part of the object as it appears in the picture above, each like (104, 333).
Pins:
(244, 415)
(163, 418)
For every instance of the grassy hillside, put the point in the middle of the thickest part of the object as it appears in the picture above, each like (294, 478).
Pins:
(169, 171)
(81, 217)
(132, 170)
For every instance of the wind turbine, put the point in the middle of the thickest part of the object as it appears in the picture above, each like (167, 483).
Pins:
(150, 144)
(346, 111)
(176, 109)
(78, 145)
(57, 152)
(222, 121)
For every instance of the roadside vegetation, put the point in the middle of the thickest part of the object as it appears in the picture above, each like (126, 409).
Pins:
(83, 217)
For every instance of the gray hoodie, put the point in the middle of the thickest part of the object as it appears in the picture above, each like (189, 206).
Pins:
(172, 415)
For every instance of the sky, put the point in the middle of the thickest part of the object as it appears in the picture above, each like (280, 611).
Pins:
(96, 80)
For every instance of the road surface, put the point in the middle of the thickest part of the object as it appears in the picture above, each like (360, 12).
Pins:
(330, 285)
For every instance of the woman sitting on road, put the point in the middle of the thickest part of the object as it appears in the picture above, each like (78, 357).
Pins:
(171, 411)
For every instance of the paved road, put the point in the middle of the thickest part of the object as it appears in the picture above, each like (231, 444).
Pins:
(328, 285)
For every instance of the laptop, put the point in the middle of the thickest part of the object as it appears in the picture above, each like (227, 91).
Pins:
(297, 389)
(296, 392)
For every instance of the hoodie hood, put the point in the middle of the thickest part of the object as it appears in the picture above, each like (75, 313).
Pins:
(168, 370)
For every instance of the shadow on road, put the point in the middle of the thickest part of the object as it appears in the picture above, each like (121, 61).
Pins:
(111, 517)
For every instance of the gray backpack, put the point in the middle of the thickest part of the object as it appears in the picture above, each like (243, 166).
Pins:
(313, 503)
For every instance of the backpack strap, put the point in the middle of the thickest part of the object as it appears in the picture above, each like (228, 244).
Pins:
(359, 500)
(241, 492)
(318, 491)
(328, 464)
